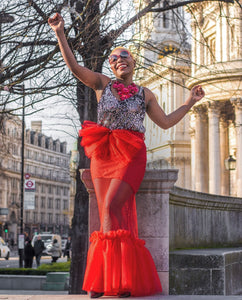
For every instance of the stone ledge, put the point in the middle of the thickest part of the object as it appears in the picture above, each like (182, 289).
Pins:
(21, 282)
(188, 198)
(206, 272)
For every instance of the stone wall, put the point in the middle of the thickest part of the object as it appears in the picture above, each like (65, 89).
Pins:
(206, 272)
(204, 220)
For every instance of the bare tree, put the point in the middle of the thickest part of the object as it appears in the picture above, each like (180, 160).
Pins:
(29, 53)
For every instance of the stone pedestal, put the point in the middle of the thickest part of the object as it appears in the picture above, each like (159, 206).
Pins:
(152, 202)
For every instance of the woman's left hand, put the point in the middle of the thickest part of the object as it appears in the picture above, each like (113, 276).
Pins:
(197, 93)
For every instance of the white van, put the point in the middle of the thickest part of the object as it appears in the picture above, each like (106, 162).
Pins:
(48, 239)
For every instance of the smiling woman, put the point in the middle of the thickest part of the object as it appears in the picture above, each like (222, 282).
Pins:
(118, 262)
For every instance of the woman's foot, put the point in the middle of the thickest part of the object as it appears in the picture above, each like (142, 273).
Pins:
(95, 294)
(124, 295)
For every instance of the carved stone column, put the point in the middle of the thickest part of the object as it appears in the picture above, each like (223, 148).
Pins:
(214, 147)
(193, 151)
(152, 201)
(201, 148)
(224, 154)
(238, 124)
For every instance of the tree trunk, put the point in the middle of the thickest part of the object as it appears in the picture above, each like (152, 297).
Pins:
(87, 109)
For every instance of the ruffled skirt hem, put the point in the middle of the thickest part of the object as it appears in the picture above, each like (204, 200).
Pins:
(118, 262)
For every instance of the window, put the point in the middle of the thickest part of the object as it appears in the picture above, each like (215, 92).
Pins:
(50, 218)
(42, 216)
(35, 217)
(50, 202)
(42, 202)
(66, 191)
(65, 202)
(57, 219)
(209, 49)
(57, 203)
(58, 190)
(49, 189)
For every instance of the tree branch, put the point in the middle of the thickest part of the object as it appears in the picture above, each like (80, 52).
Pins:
(183, 3)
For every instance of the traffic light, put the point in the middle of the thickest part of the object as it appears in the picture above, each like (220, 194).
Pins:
(6, 227)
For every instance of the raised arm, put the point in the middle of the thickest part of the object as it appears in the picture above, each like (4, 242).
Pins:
(164, 121)
(91, 79)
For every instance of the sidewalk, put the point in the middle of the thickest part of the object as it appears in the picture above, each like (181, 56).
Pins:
(42, 295)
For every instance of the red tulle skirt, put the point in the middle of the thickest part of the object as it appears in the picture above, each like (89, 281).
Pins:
(118, 261)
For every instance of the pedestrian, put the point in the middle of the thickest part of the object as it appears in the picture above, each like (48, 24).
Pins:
(55, 251)
(28, 254)
(39, 247)
(67, 251)
(118, 263)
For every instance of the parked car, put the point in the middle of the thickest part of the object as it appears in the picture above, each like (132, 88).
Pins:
(48, 239)
(4, 250)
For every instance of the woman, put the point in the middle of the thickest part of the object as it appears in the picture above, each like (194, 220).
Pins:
(55, 251)
(118, 262)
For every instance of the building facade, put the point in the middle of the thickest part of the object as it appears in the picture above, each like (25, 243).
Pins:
(201, 146)
(164, 53)
(47, 163)
(216, 122)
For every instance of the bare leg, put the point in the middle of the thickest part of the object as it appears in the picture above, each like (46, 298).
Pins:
(101, 186)
(117, 194)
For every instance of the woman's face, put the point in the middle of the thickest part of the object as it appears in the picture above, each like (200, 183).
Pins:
(121, 62)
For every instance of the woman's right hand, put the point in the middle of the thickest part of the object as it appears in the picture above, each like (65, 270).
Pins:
(57, 23)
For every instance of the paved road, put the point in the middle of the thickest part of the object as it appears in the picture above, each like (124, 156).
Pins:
(35, 295)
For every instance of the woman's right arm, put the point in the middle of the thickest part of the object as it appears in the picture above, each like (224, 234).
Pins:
(91, 79)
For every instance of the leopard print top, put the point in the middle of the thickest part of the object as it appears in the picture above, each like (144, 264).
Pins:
(121, 114)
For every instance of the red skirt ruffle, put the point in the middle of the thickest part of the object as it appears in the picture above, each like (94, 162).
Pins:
(117, 263)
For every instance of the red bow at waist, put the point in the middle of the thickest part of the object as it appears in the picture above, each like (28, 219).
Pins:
(105, 144)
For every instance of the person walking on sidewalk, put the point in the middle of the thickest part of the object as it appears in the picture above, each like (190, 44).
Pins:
(67, 251)
(28, 255)
(39, 247)
(55, 251)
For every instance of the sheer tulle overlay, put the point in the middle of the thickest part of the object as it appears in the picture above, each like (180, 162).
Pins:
(118, 260)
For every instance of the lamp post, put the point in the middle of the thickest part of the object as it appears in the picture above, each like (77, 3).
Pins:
(21, 248)
(21, 235)
(230, 165)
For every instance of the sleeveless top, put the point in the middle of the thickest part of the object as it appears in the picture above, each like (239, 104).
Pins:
(121, 114)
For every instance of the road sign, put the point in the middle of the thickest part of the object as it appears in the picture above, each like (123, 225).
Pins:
(29, 184)
(27, 176)
(29, 194)
(29, 199)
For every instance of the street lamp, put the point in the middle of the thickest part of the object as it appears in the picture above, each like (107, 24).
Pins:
(230, 165)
